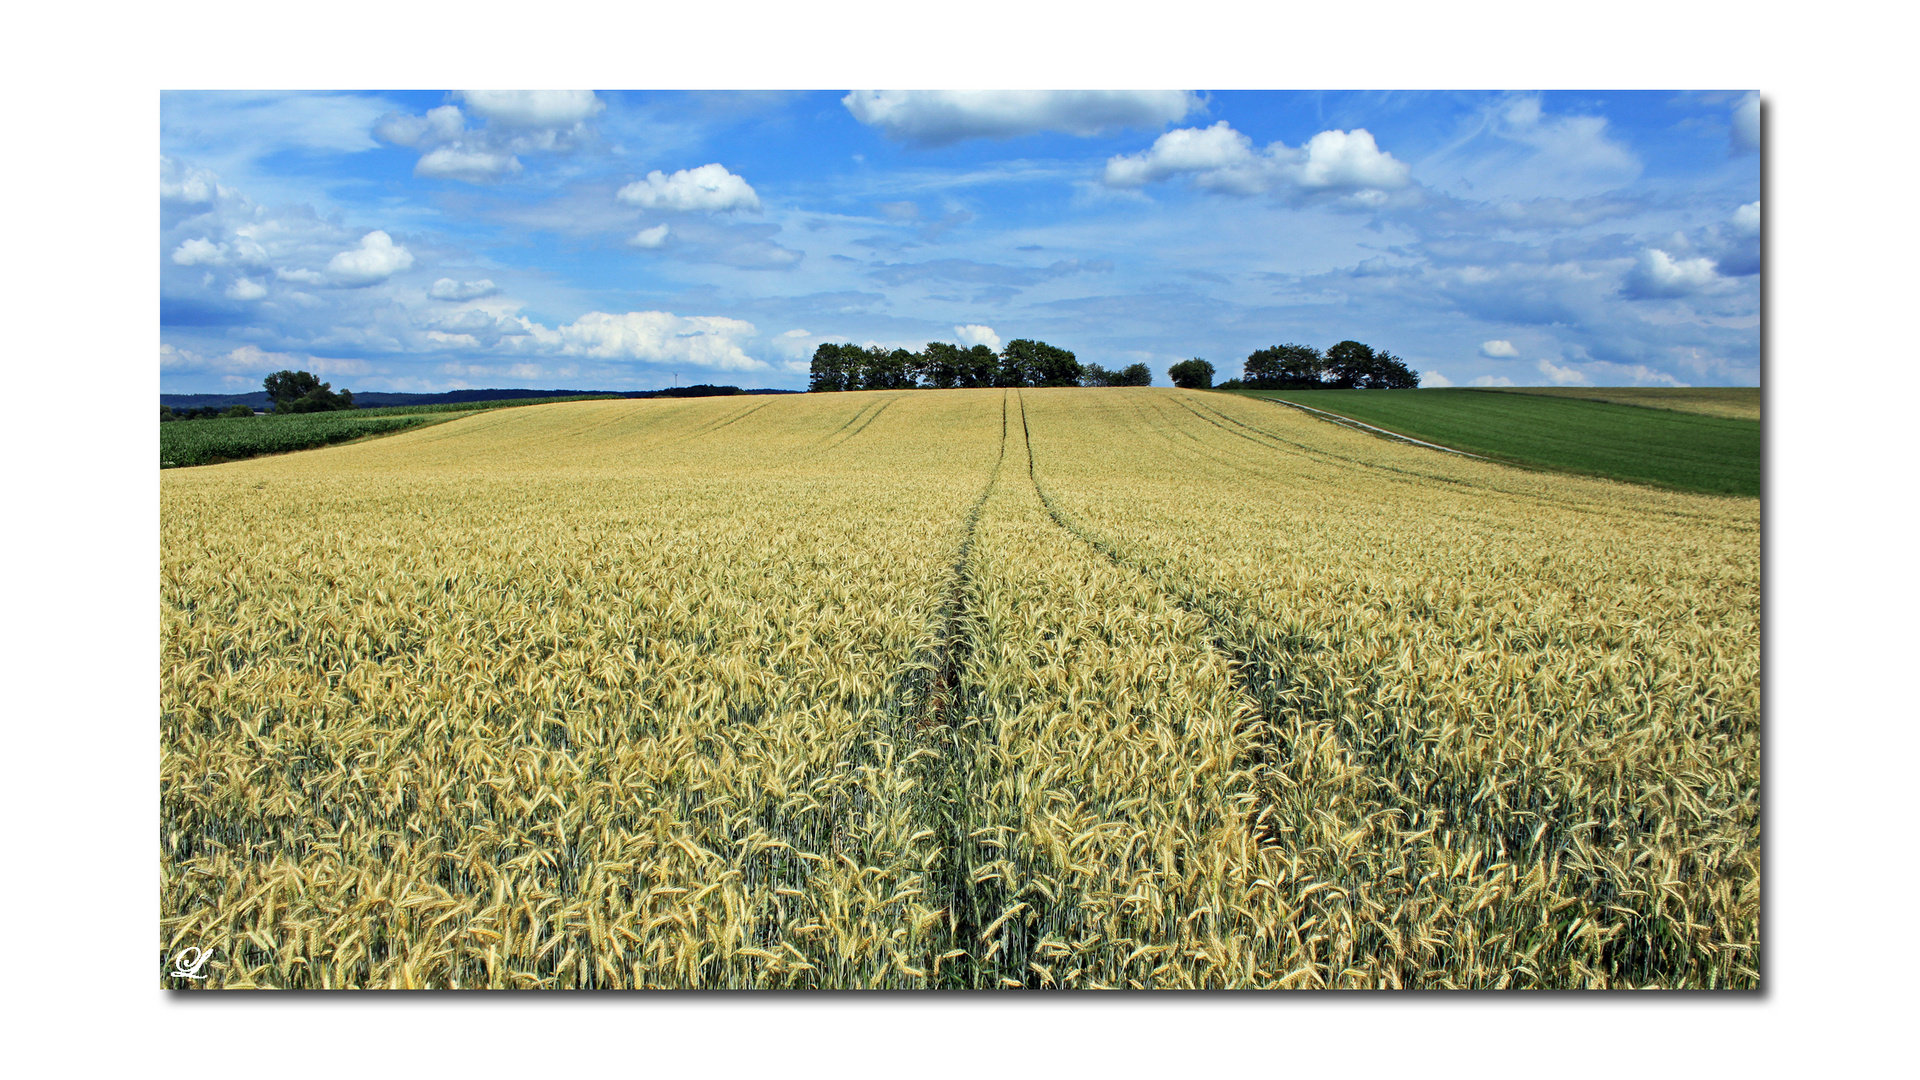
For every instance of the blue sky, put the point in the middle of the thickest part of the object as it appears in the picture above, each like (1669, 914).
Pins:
(427, 241)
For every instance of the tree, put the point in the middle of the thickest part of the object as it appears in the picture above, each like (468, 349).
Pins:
(1036, 363)
(903, 369)
(1284, 367)
(696, 390)
(875, 368)
(301, 392)
(1392, 373)
(1194, 374)
(1352, 365)
(980, 367)
(1349, 365)
(829, 371)
(1015, 366)
(1056, 366)
(290, 385)
(240, 410)
(942, 365)
(1131, 375)
(867, 368)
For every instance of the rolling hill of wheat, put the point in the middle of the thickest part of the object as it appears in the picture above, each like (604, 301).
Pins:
(952, 689)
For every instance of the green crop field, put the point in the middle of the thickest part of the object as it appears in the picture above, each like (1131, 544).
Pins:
(1732, 402)
(1663, 447)
(209, 442)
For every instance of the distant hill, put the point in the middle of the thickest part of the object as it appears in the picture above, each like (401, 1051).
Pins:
(1732, 402)
(374, 399)
(257, 399)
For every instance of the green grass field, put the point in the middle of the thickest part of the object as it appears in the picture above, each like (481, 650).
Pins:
(1731, 402)
(1660, 446)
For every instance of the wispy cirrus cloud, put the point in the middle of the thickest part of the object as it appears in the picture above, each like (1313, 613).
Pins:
(1746, 122)
(942, 117)
(1513, 148)
(967, 271)
(449, 289)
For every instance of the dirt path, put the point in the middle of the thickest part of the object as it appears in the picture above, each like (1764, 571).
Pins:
(1350, 422)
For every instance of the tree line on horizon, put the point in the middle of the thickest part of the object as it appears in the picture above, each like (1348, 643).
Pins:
(205, 412)
(943, 366)
(1349, 365)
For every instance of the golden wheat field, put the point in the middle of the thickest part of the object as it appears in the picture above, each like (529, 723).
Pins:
(1127, 688)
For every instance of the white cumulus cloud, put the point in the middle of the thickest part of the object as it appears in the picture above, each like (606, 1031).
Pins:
(1493, 380)
(1563, 376)
(1222, 159)
(1434, 378)
(375, 260)
(709, 187)
(794, 347)
(254, 358)
(1348, 160)
(1186, 150)
(652, 337)
(245, 289)
(939, 117)
(533, 108)
(489, 321)
(449, 289)
(650, 238)
(245, 360)
(974, 334)
(516, 122)
(443, 124)
(182, 183)
(1747, 218)
(199, 251)
(1660, 275)
(1637, 374)
(1499, 350)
